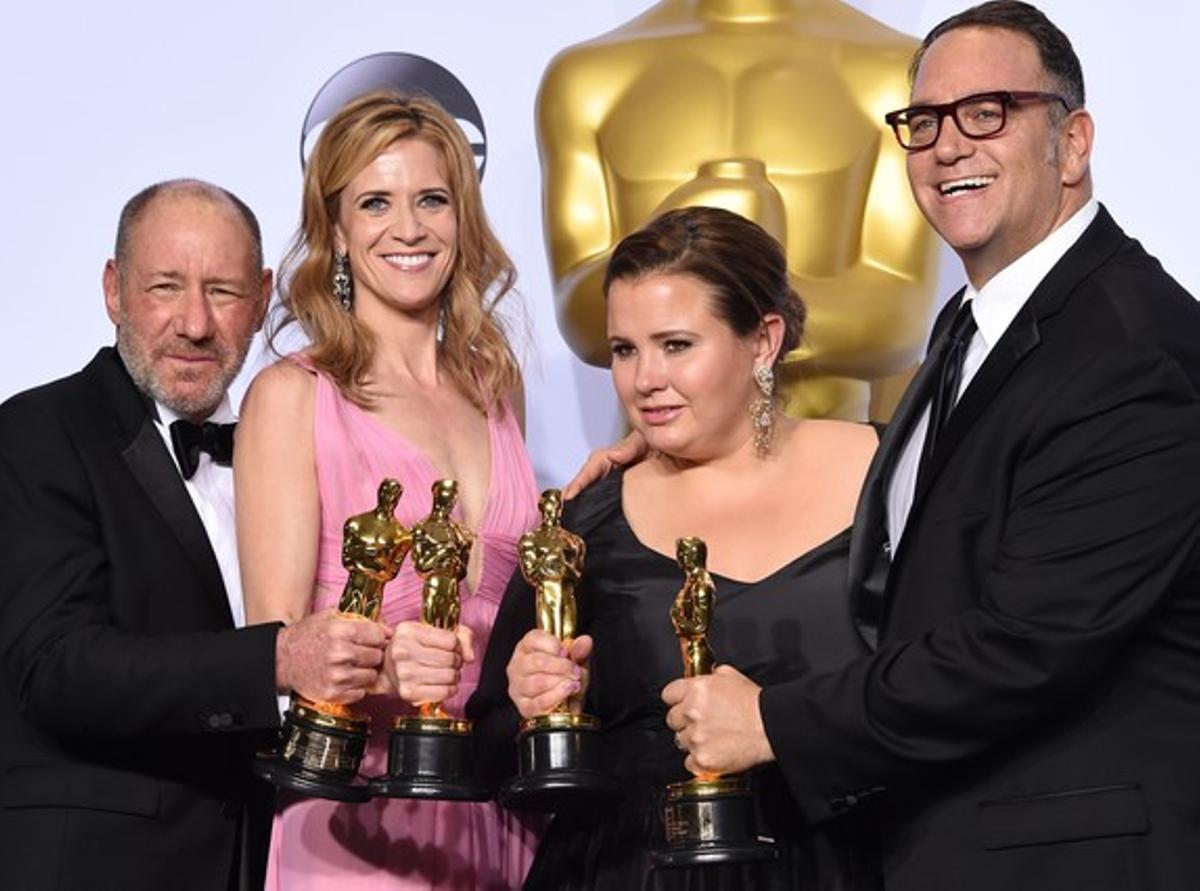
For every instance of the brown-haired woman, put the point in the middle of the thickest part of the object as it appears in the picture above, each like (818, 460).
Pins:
(394, 276)
(699, 314)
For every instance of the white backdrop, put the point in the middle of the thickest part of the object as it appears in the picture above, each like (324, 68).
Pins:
(102, 99)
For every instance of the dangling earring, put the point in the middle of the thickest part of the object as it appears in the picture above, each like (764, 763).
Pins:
(762, 409)
(343, 289)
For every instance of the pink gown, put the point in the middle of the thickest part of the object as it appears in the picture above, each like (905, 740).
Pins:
(398, 843)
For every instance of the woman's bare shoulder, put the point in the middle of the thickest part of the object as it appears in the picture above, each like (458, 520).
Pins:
(830, 434)
(840, 451)
(280, 389)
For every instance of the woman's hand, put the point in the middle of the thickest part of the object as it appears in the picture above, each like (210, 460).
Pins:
(424, 663)
(543, 673)
(599, 463)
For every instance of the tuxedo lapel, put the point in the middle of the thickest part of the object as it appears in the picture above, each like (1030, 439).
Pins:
(869, 546)
(1017, 342)
(146, 456)
(1097, 244)
(156, 473)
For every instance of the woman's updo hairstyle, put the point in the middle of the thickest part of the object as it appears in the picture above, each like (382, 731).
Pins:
(737, 259)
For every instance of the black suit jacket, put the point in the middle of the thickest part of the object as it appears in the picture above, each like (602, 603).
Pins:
(125, 693)
(1031, 718)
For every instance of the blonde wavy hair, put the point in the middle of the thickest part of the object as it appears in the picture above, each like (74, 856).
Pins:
(474, 349)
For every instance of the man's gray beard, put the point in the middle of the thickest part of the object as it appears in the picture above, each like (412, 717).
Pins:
(140, 369)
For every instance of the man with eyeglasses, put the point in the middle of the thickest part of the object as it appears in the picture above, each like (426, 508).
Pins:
(1026, 553)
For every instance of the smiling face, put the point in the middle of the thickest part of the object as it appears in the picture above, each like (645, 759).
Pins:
(684, 378)
(397, 222)
(186, 301)
(994, 199)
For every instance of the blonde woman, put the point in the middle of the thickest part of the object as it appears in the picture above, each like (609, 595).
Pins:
(394, 276)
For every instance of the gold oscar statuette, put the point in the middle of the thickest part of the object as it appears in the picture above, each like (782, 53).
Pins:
(772, 109)
(691, 612)
(551, 561)
(429, 753)
(559, 752)
(709, 818)
(322, 743)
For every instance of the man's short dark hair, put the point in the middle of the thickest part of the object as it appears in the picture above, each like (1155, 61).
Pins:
(135, 208)
(1054, 49)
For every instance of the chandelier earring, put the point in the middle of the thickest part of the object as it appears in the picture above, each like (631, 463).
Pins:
(762, 409)
(343, 288)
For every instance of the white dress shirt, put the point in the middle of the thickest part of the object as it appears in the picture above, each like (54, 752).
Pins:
(211, 490)
(994, 306)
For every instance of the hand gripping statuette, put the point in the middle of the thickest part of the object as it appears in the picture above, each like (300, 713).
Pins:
(709, 818)
(322, 743)
(429, 753)
(560, 752)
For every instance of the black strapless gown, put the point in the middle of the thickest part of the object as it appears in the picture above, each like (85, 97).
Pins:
(794, 621)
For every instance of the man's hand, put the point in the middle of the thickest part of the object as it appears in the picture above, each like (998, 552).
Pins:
(542, 673)
(628, 451)
(424, 664)
(716, 720)
(329, 657)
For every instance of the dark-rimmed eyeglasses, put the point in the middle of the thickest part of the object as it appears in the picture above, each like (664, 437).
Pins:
(979, 116)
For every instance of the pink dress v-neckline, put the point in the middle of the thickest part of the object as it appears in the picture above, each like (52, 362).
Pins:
(495, 442)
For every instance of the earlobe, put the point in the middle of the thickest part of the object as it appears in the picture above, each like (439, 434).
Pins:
(112, 291)
(266, 286)
(1078, 133)
(770, 338)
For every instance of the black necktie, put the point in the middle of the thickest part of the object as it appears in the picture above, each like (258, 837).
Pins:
(189, 440)
(949, 376)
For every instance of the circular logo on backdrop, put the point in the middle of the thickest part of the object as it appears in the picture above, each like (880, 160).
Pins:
(399, 71)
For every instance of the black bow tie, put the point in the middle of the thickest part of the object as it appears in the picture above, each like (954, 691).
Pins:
(189, 440)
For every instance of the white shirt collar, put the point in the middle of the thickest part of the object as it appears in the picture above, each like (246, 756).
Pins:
(211, 492)
(998, 302)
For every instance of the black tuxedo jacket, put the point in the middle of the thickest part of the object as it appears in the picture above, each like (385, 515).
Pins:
(125, 693)
(1031, 717)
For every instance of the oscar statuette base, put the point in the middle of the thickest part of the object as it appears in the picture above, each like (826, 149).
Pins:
(561, 765)
(430, 757)
(710, 820)
(320, 749)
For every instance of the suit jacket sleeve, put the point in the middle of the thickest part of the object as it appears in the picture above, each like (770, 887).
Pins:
(1100, 534)
(77, 653)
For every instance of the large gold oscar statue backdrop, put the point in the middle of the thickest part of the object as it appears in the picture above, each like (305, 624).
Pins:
(770, 108)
